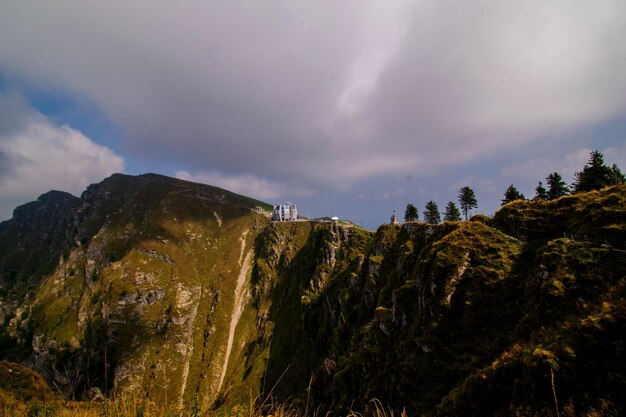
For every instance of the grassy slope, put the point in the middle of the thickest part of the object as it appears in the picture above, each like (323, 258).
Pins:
(144, 303)
(468, 318)
(473, 319)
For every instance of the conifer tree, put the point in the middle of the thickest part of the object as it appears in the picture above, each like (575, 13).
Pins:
(410, 214)
(511, 194)
(540, 192)
(556, 186)
(594, 175)
(618, 176)
(431, 214)
(467, 200)
(452, 213)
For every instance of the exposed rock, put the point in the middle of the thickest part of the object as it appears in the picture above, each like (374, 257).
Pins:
(175, 290)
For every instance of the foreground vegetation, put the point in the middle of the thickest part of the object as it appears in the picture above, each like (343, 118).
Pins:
(14, 404)
(23, 392)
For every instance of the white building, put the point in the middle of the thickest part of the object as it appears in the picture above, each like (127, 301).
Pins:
(285, 212)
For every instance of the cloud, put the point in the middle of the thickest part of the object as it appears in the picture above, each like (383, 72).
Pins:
(383, 196)
(224, 84)
(479, 77)
(328, 94)
(616, 154)
(37, 156)
(537, 169)
(291, 85)
(247, 185)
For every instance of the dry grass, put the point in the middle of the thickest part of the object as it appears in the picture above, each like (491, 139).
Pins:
(379, 410)
(132, 406)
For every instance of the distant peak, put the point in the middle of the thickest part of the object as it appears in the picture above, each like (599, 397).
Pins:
(55, 196)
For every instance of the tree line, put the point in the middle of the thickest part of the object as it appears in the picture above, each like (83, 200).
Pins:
(467, 202)
(594, 175)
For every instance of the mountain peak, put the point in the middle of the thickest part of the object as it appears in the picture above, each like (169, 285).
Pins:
(178, 290)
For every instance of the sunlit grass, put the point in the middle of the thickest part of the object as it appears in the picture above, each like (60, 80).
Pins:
(133, 406)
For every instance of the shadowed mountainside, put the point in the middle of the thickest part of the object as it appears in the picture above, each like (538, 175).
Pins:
(189, 296)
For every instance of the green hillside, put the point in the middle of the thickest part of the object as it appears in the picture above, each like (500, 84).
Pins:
(190, 298)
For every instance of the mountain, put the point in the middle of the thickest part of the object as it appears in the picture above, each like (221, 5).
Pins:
(125, 287)
(188, 295)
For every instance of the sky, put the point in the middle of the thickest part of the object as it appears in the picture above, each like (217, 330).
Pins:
(352, 108)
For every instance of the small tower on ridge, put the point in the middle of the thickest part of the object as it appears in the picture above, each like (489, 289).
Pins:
(394, 218)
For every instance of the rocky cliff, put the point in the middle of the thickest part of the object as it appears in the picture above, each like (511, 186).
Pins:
(187, 295)
(515, 315)
(148, 290)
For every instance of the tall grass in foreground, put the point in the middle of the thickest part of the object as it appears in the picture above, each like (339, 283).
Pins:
(379, 411)
(132, 406)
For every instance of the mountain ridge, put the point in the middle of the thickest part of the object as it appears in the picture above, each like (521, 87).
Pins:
(186, 294)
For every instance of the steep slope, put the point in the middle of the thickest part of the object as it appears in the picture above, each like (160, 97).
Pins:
(516, 315)
(142, 296)
(298, 264)
(187, 295)
(31, 245)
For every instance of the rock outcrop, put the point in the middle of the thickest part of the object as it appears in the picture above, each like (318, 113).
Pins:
(187, 295)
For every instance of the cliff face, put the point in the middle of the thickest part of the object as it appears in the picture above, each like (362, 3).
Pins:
(187, 295)
(149, 291)
(30, 247)
(502, 316)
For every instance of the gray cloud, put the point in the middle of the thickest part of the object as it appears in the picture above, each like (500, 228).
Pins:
(218, 84)
(332, 93)
(5, 168)
(249, 185)
(483, 76)
(13, 107)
